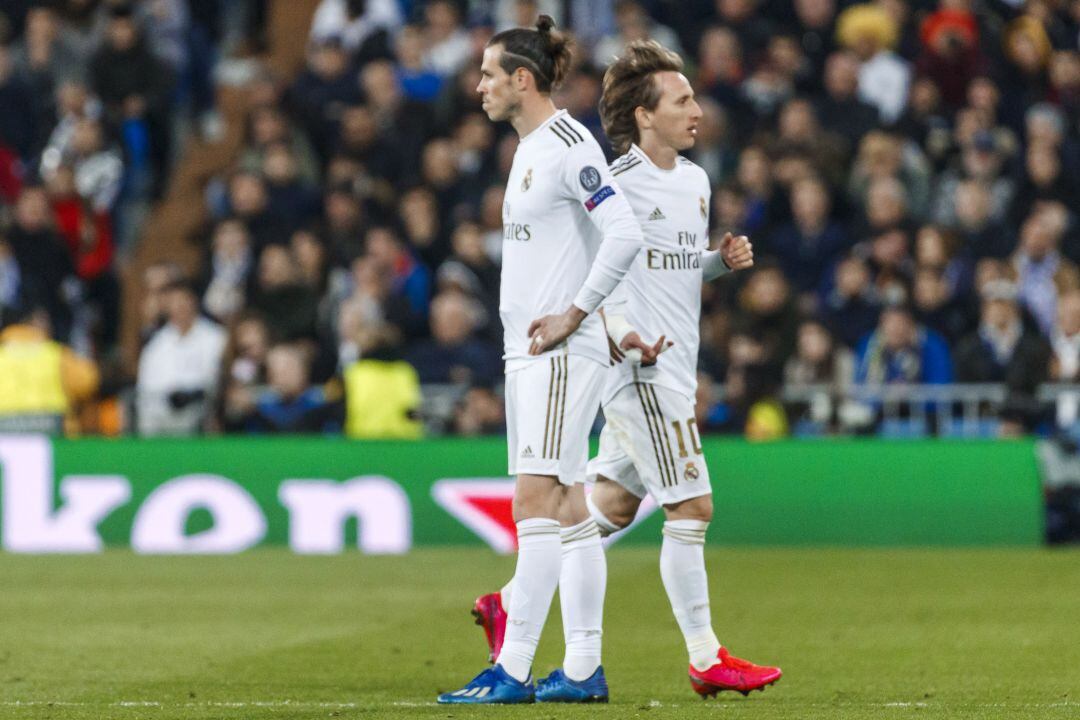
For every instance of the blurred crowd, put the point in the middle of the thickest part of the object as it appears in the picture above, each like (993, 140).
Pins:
(908, 171)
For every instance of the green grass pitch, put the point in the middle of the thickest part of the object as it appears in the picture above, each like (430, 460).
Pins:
(860, 634)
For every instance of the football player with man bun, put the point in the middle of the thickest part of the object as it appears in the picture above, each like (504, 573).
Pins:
(569, 237)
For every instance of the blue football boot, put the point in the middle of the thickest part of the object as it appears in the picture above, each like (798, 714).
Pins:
(556, 687)
(494, 686)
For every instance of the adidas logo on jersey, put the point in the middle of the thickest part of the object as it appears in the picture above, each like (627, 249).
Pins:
(527, 452)
(657, 215)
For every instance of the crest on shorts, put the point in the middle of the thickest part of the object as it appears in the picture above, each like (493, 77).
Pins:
(526, 182)
(703, 207)
(690, 472)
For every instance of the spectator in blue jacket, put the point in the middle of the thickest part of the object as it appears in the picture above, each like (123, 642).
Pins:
(900, 351)
(850, 303)
(454, 354)
(810, 245)
(410, 278)
(291, 404)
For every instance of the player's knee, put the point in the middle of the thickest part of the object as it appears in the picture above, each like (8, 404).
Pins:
(617, 504)
(536, 496)
(699, 508)
(608, 521)
(572, 508)
(622, 519)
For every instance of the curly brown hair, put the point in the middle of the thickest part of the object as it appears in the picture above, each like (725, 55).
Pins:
(629, 84)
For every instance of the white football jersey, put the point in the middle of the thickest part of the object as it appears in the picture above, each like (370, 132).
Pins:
(560, 203)
(661, 295)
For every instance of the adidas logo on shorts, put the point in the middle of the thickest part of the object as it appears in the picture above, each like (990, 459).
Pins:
(527, 452)
(657, 215)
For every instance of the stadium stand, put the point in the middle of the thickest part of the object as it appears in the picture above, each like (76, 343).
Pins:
(318, 177)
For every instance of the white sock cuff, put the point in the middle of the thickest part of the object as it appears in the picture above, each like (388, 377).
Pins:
(578, 533)
(535, 527)
(606, 526)
(688, 532)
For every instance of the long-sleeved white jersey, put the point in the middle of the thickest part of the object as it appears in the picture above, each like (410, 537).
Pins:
(561, 202)
(661, 295)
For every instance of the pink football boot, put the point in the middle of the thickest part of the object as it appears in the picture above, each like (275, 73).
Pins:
(491, 616)
(732, 673)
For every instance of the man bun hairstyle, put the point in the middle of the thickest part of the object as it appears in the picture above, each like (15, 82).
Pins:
(629, 84)
(545, 52)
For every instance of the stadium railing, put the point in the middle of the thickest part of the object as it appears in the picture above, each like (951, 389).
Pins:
(958, 410)
(962, 410)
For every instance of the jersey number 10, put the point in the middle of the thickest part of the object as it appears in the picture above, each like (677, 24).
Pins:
(691, 430)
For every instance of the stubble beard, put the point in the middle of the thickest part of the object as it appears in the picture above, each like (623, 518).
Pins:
(511, 111)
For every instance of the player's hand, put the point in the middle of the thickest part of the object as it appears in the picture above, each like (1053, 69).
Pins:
(640, 351)
(737, 252)
(550, 330)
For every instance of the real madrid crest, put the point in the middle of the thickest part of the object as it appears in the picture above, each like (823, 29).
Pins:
(704, 208)
(691, 472)
(526, 182)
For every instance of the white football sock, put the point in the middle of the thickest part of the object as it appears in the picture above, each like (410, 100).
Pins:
(582, 582)
(535, 580)
(682, 568)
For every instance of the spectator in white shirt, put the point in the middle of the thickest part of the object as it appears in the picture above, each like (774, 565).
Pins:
(1065, 340)
(354, 20)
(179, 368)
(449, 46)
(871, 33)
(1065, 362)
(632, 22)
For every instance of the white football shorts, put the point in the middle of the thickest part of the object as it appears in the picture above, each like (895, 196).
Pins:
(551, 405)
(650, 445)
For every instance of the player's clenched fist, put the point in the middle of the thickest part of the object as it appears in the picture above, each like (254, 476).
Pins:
(737, 252)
